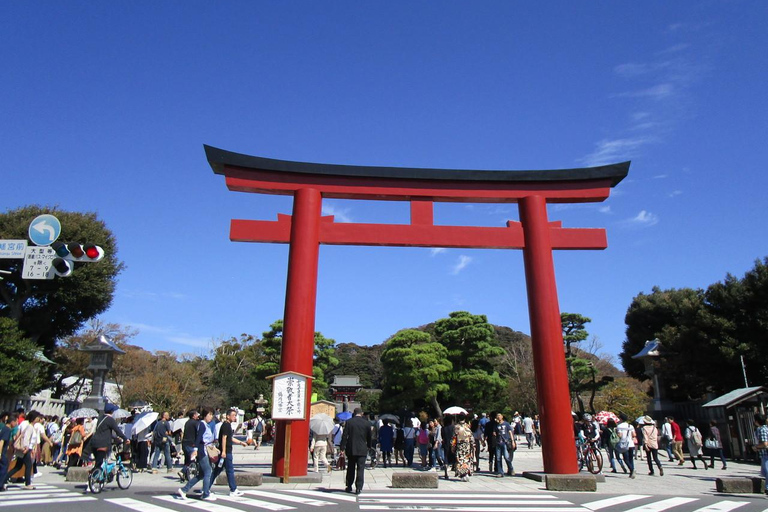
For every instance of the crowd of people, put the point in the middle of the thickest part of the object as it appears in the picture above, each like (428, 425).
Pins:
(451, 442)
(625, 441)
(30, 440)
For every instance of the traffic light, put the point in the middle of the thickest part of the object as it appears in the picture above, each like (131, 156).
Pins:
(86, 253)
(61, 267)
(69, 253)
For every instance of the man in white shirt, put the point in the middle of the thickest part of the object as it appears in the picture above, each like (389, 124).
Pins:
(625, 430)
(667, 437)
(528, 430)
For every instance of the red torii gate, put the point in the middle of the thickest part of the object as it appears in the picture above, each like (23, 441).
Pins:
(306, 229)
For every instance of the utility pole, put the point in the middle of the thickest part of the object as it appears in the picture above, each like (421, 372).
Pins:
(744, 371)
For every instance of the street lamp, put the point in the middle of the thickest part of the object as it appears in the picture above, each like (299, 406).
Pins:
(102, 351)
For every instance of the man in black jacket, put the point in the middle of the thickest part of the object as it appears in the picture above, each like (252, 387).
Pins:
(188, 436)
(101, 441)
(355, 443)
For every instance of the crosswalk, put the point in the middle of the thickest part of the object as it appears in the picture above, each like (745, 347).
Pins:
(392, 501)
(41, 495)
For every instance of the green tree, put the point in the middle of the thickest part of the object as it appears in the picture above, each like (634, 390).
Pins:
(739, 324)
(364, 361)
(324, 362)
(19, 364)
(269, 350)
(233, 371)
(573, 330)
(690, 362)
(415, 368)
(472, 349)
(47, 310)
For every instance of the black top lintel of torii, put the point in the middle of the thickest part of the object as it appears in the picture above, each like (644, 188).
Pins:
(219, 159)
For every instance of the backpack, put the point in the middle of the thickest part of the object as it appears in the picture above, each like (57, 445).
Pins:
(259, 426)
(423, 436)
(625, 443)
(696, 437)
(613, 439)
(76, 439)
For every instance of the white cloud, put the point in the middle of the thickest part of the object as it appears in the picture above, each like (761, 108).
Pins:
(461, 264)
(605, 209)
(644, 218)
(660, 176)
(656, 92)
(191, 341)
(615, 150)
(434, 251)
(675, 193)
(171, 335)
(339, 214)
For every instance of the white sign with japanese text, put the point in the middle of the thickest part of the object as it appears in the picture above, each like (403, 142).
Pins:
(12, 249)
(289, 397)
(37, 262)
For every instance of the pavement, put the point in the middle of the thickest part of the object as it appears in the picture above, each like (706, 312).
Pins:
(677, 480)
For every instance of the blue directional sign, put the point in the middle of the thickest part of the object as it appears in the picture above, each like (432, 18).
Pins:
(44, 230)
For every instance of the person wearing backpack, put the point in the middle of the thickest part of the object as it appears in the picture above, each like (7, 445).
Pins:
(258, 431)
(610, 438)
(693, 437)
(626, 444)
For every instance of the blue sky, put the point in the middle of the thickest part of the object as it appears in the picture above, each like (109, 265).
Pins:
(105, 107)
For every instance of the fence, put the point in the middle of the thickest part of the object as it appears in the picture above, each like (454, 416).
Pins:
(44, 405)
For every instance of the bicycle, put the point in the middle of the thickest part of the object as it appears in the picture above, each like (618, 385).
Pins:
(589, 454)
(100, 476)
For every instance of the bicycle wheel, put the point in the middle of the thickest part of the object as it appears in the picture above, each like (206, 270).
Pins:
(594, 461)
(96, 480)
(124, 477)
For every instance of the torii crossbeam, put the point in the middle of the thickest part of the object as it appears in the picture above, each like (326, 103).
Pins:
(306, 229)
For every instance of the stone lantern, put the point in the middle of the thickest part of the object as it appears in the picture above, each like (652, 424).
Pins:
(260, 403)
(650, 357)
(102, 351)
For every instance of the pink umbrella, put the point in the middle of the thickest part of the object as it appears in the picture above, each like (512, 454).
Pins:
(603, 416)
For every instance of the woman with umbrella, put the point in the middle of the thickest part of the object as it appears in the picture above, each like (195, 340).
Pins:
(322, 426)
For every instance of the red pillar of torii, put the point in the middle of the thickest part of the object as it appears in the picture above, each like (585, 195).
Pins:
(306, 229)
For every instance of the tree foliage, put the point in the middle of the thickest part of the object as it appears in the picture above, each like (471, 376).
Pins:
(415, 366)
(19, 366)
(472, 349)
(703, 334)
(47, 310)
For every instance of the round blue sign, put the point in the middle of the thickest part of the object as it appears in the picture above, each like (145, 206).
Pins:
(44, 230)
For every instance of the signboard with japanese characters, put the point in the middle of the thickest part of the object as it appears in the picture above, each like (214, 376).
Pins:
(289, 396)
(37, 262)
(12, 249)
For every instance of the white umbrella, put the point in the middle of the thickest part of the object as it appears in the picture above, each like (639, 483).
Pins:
(455, 410)
(144, 420)
(83, 412)
(178, 424)
(121, 413)
(321, 424)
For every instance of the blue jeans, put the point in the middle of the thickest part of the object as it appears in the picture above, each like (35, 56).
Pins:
(229, 467)
(166, 447)
(409, 445)
(503, 451)
(205, 466)
(764, 469)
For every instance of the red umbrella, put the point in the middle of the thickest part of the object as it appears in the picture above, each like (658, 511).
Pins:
(603, 416)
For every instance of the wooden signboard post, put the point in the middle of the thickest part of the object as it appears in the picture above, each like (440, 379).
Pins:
(289, 402)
